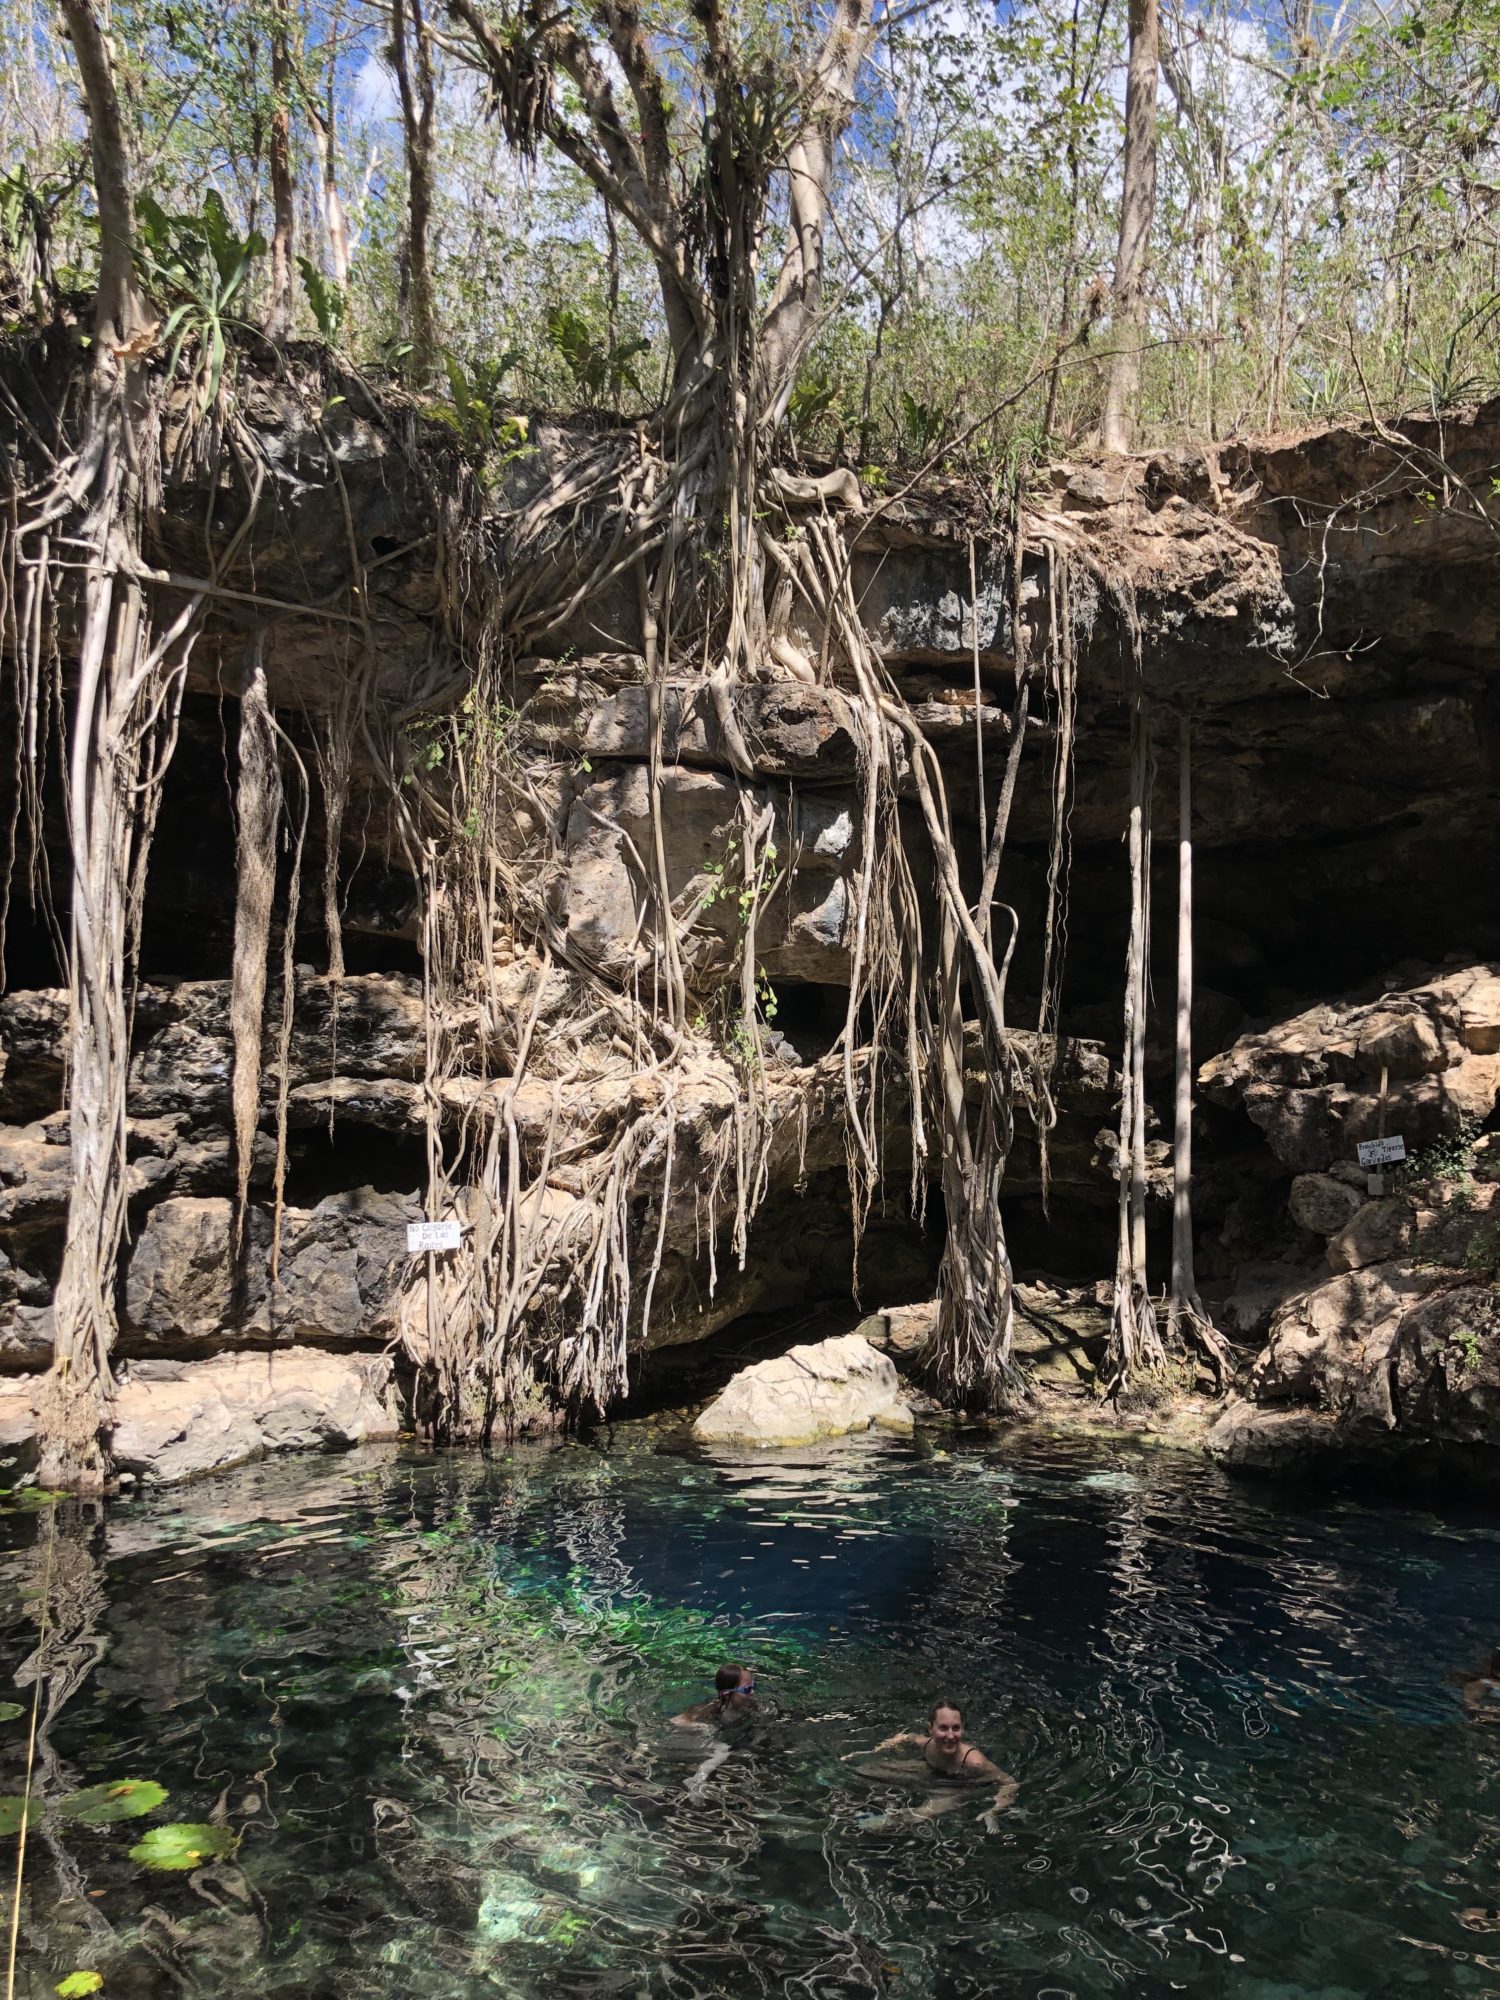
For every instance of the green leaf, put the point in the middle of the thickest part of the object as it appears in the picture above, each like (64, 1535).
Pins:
(12, 1812)
(9, 1710)
(77, 1984)
(101, 1805)
(182, 1846)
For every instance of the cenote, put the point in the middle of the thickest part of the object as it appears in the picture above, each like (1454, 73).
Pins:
(423, 1701)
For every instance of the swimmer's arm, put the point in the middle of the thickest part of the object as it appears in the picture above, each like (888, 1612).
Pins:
(1005, 1785)
(890, 1743)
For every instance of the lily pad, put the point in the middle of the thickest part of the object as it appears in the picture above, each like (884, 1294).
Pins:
(12, 1812)
(102, 1805)
(9, 1710)
(77, 1984)
(182, 1846)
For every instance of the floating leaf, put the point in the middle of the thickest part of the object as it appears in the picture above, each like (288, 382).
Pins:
(9, 1710)
(101, 1805)
(182, 1846)
(12, 1812)
(77, 1984)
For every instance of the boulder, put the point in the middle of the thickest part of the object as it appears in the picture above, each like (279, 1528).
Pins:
(1330, 1344)
(176, 1421)
(1261, 1286)
(1377, 1366)
(1376, 1232)
(820, 1391)
(1322, 1204)
(207, 1415)
(1447, 1366)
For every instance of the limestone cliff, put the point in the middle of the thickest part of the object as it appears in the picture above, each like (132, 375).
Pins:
(1320, 605)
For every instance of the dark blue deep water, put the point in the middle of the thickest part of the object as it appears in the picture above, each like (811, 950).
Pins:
(423, 1702)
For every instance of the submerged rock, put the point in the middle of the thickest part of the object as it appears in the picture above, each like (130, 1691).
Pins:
(808, 1393)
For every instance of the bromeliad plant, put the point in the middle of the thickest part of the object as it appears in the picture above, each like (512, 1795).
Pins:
(198, 267)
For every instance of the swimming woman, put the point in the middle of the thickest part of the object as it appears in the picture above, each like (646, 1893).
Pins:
(947, 1754)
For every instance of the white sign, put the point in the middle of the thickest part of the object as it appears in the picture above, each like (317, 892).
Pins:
(432, 1236)
(1381, 1152)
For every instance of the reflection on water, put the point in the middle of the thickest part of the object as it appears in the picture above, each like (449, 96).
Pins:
(426, 1700)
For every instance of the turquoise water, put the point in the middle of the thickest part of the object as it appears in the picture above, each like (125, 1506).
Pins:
(424, 1701)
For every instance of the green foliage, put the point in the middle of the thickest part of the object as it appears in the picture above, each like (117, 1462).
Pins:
(820, 406)
(1447, 1159)
(26, 229)
(476, 727)
(1464, 1349)
(198, 266)
(28, 1499)
(477, 405)
(16, 1811)
(9, 1710)
(102, 1805)
(721, 875)
(923, 423)
(329, 303)
(78, 1985)
(600, 370)
(1322, 230)
(183, 1846)
(1482, 1253)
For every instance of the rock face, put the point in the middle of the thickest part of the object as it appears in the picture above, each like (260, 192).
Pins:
(1390, 1356)
(179, 1422)
(340, 1268)
(808, 1393)
(1336, 839)
(1313, 1083)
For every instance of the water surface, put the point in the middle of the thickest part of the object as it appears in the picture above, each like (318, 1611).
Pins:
(426, 1698)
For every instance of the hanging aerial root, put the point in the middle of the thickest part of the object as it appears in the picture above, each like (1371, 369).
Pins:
(1187, 1322)
(258, 812)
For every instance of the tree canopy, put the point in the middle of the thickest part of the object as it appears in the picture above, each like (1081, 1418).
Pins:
(532, 198)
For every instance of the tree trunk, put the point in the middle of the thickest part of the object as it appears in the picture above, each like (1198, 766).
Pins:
(129, 688)
(418, 100)
(283, 184)
(1186, 1318)
(1133, 1339)
(335, 223)
(1137, 206)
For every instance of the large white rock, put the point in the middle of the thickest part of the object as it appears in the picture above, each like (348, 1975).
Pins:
(176, 1421)
(822, 1391)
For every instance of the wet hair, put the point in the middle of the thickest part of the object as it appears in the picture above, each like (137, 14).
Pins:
(937, 1708)
(727, 1679)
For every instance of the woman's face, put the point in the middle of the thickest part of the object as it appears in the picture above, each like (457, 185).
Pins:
(947, 1728)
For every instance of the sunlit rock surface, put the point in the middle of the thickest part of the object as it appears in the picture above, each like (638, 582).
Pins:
(818, 1391)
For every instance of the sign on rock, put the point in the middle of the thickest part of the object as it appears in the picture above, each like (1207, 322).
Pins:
(432, 1236)
(1381, 1152)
